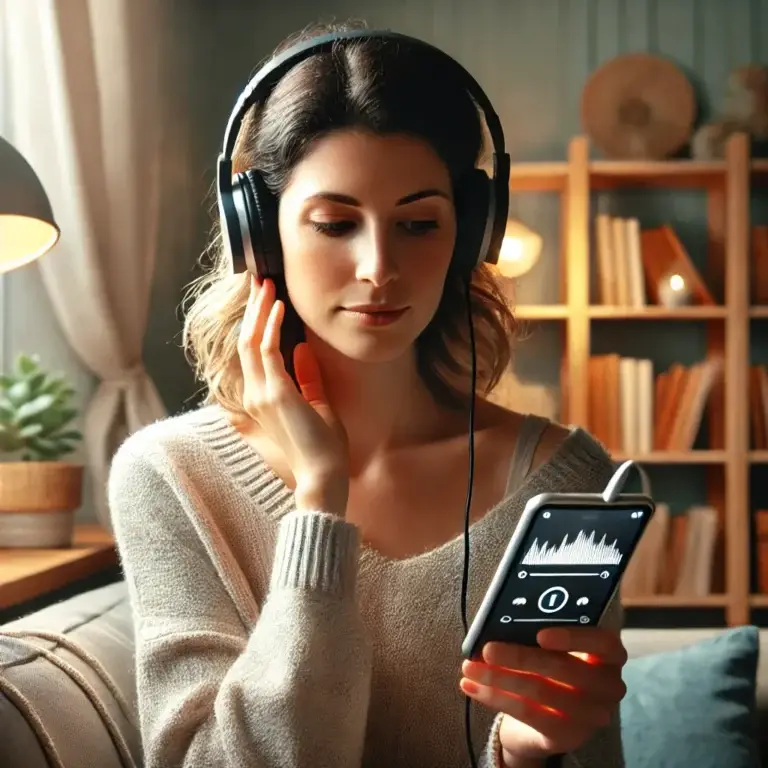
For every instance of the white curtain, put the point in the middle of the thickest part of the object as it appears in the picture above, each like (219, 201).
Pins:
(83, 100)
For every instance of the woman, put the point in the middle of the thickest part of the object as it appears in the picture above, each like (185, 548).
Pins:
(294, 553)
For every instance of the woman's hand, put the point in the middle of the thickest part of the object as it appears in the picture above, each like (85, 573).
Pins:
(299, 421)
(555, 696)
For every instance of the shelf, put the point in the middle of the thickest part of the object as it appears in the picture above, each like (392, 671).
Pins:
(758, 312)
(610, 174)
(541, 312)
(674, 457)
(538, 177)
(758, 457)
(675, 601)
(600, 312)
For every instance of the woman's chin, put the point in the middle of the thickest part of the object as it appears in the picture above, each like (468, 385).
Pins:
(371, 349)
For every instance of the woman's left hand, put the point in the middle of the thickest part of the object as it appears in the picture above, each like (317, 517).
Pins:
(555, 696)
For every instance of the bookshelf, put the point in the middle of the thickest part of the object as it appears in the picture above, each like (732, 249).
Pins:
(727, 185)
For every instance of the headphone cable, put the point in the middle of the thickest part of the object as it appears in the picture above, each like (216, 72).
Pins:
(467, 508)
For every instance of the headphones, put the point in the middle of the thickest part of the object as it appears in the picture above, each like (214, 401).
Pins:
(248, 209)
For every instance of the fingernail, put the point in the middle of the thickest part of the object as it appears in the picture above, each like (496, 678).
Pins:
(469, 687)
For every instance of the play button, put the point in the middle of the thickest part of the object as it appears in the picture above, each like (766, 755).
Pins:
(553, 599)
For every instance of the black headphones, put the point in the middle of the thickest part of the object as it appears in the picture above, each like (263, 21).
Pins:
(248, 210)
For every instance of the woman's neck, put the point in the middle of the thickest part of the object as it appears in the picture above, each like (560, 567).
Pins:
(381, 405)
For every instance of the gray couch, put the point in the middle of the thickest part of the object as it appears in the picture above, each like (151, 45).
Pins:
(67, 695)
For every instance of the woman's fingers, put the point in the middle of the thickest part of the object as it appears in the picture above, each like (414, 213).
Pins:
(521, 691)
(257, 310)
(308, 375)
(275, 375)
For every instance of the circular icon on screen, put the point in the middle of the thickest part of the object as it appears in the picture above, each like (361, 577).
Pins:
(547, 515)
(522, 574)
(604, 574)
(584, 619)
(553, 600)
(505, 619)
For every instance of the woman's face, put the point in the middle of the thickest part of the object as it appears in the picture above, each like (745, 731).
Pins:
(367, 226)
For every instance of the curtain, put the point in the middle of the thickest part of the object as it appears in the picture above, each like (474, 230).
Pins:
(83, 99)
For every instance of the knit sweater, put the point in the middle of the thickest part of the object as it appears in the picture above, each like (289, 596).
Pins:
(270, 637)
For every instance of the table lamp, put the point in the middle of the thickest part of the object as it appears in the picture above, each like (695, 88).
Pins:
(27, 226)
(520, 249)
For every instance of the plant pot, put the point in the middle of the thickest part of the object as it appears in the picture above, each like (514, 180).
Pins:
(38, 501)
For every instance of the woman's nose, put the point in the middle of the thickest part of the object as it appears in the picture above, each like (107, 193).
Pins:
(376, 262)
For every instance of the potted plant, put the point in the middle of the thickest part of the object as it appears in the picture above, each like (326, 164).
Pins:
(39, 492)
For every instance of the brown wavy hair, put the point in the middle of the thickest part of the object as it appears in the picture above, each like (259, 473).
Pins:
(386, 88)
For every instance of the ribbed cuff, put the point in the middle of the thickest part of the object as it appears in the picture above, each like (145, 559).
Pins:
(316, 551)
(494, 757)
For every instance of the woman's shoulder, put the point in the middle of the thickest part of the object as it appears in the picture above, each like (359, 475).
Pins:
(177, 442)
(563, 449)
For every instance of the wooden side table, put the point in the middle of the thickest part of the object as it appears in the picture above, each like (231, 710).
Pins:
(26, 574)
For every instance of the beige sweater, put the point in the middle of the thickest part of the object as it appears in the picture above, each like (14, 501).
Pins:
(266, 637)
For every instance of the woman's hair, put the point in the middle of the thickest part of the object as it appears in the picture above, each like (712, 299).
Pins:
(387, 88)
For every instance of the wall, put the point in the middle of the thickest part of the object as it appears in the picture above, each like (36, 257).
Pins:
(532, 57)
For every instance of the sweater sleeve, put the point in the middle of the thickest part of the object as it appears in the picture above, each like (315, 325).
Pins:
(292, 690)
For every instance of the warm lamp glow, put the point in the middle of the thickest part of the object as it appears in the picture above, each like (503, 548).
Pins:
(27, 227)
(520, 249)
(676, 282)
(23, 239)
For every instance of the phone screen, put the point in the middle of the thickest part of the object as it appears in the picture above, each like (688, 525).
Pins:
(566, 569)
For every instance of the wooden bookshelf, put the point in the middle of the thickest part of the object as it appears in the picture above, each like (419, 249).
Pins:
(727, 186)
(674, 601)
(598, 312)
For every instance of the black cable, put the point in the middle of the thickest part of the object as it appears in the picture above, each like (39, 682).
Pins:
(467, 508)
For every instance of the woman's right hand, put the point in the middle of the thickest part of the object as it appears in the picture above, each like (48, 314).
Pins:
(299, 421)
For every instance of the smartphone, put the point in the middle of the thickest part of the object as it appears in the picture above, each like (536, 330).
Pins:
(562, 566)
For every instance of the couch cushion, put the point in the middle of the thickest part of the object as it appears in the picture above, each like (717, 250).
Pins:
(693, 706)
(67, 670)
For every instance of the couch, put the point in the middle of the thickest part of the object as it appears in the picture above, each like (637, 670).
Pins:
(67, 695)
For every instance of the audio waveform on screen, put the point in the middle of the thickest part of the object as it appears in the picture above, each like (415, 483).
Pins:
(583, 550)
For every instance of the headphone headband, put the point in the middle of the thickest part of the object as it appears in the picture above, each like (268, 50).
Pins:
(265, 80)
(262, 83)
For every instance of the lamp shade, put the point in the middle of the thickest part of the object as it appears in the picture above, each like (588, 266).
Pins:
(27, 226)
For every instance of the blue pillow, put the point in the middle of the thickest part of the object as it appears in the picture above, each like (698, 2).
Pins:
(693, 706)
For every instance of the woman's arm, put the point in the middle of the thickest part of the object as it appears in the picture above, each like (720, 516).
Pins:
(291, 690)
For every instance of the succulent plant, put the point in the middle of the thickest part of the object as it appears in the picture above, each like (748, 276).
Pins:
(35, 413)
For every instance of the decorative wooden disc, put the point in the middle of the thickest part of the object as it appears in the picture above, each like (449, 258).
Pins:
(638, 106)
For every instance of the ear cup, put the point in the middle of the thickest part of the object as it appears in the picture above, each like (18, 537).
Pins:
(257, 211)
(473, 217)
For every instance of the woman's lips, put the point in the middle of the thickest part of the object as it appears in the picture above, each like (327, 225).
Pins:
(374, 316)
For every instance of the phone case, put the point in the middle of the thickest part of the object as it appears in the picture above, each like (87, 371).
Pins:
(480, 631)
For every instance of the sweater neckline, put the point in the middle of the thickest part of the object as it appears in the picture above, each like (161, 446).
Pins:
(276, 499)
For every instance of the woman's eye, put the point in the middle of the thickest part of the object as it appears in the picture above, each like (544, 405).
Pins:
(339, 228)
(333, 228)
(420, 226)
